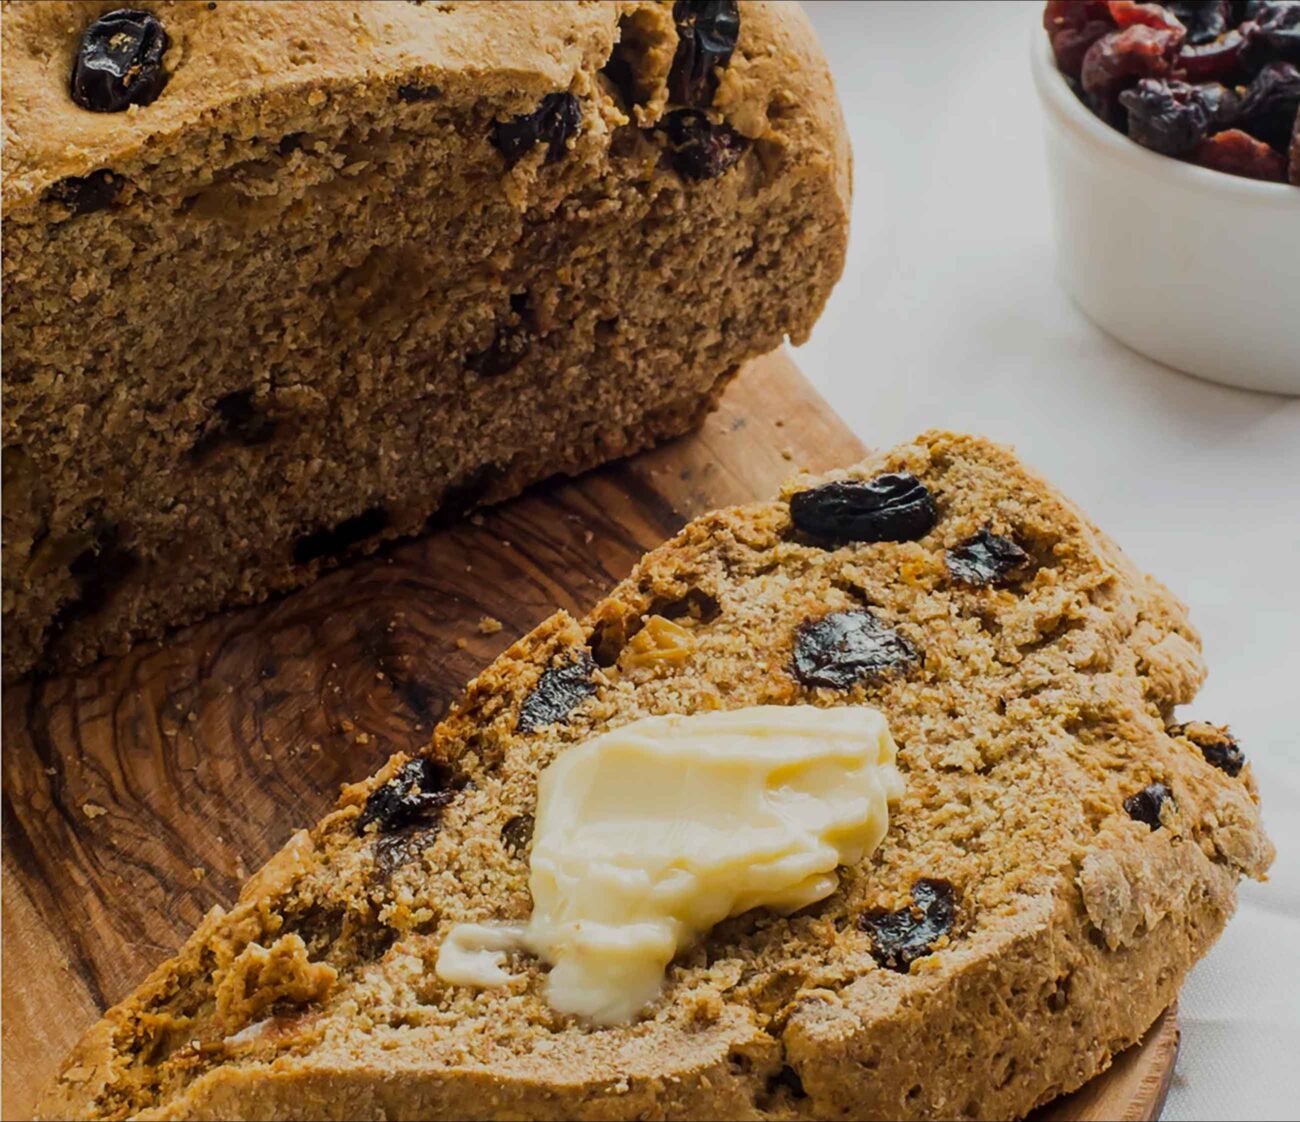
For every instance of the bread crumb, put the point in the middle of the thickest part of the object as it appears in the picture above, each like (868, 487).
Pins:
(199, 873)
(93, 810)
(489, 625)
(462, 643)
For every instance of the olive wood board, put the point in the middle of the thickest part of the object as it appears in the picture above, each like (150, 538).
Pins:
(141, 791)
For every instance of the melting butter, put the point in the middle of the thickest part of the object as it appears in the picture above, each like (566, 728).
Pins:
(649, 835)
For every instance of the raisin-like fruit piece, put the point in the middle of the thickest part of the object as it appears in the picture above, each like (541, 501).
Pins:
(899, 938)
(517, 834)
(1269, 107)
(1219, 60)
(412, 93)
(1145, 806)
(1205, 20)
(512, 342)
(552, 122)
(1238, 153)
(894, 507)
(707, 31)
(119, 62)
(85, 194)
(1072, 27)
(1129, 13)
(392, 851)
(416, 793)
(1217, 745)
(558, 692)
(699, 148)
(1167, 116)
(844, 648)
(1275, 35)
(986, 558)
(1120, 59)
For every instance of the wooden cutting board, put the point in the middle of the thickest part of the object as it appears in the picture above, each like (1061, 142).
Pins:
(141, 792)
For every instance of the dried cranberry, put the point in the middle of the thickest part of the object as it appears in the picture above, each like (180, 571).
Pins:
(416, 793)
(119, 62)
(1216, 61)
(558, 692)
(1168, 116)
(1129, 13)
(1239, 153)
(1269, 107)
(986, 558)
(697, 147)
(1120, 59)
(1217, 745)
(392, 851)
(85, 194)
(553, 121)
(517, 834)
(1276, 35)
(844, 648)
(707, 31)
(1072, 27)
(899, 938)
(1145, 806)
(894, 507)
(1205, 20)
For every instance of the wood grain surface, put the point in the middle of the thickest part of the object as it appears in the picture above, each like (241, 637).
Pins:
(142, 791)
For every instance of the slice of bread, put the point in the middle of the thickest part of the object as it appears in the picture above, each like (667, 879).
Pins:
(354, 263)
(1062, 855)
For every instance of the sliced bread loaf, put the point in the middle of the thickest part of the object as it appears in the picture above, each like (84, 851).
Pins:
(1062, 854)
(282, 280)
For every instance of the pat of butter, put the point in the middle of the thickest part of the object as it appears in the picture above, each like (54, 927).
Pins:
(648, 835)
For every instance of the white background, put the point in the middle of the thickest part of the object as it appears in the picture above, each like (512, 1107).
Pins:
(949, 315)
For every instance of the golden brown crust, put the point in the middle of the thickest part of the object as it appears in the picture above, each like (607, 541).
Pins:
(1034, 710)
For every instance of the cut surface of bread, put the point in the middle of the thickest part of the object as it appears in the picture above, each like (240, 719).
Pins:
(359, 262)
(1062, 854)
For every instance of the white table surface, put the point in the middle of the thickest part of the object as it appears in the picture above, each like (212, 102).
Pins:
(949, 315)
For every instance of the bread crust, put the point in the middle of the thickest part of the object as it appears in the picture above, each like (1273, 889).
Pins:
(270, 57)
(1077, 923)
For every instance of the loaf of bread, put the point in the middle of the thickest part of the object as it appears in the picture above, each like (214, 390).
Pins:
(283, 280)
(1062, 852)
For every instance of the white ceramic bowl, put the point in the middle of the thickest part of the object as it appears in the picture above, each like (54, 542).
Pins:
(1194, 268)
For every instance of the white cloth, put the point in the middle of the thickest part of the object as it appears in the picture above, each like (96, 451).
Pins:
(949, 315)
